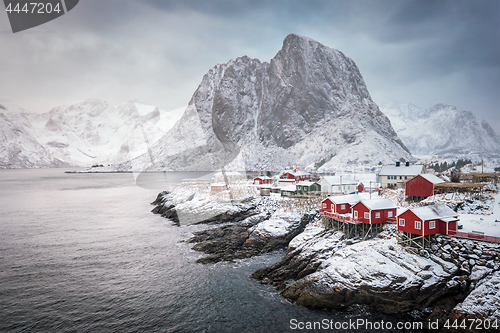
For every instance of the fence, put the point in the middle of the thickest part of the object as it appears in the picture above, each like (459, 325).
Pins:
(347, 218)
(473, 235)
(340, 217)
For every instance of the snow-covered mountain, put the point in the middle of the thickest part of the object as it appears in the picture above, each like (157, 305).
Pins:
(441, 130)
(308, 106)
(80, 134)
(18, 147)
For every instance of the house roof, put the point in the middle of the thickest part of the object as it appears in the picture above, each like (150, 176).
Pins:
(392, 170)
(305, 183)
(296, 173)
(289, 188)
(431, 178)
(342, 199)
(377, 204)
(337, 180)
(262, 177)
(434, 212)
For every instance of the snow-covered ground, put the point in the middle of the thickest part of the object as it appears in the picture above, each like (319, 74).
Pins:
(484, 223)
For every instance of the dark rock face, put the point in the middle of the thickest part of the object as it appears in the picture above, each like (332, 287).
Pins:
(165, 207)
(307, 83)
(291, 266)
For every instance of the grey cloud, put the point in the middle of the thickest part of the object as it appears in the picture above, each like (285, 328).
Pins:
(423, 52)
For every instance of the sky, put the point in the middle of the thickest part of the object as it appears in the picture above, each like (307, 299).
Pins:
(413, 51)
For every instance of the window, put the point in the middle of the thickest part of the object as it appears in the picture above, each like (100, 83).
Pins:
(400, 177)
(367, 215)
(432, 225)
(377, 215)
(324, 204)
(389, 214)
(356, 214)
(406, 177)
(418, 224)
(402, 222)
(342, 206)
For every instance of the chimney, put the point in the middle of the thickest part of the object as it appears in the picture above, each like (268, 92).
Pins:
(407, 163)
(398, 163)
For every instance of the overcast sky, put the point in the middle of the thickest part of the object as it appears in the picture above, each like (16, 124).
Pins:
(420, 52)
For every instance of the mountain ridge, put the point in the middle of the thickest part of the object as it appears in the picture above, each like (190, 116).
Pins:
(441, 130)
(82, 133)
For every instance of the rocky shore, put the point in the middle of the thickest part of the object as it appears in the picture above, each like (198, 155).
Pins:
(457, 279)
(249, 228)
(322, 269)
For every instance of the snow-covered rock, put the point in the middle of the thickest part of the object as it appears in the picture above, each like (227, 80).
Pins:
(378, 273)
(482, 302)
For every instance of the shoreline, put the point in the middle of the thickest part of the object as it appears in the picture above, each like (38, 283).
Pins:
(319, 268)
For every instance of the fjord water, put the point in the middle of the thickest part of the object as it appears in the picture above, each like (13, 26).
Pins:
(83, 253)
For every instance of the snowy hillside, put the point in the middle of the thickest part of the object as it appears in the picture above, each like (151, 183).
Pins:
(18, 148)
(81, 134)
(441, 130)
(308, 106)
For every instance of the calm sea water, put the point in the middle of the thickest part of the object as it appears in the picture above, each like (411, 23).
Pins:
(83, 253)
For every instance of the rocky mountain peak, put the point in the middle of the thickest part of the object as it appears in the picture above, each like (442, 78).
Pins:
(306, 105)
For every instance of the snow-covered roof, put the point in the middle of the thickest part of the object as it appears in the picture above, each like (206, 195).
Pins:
(218, 184)
(263, 177)
(381, 203)
(434, 212)
(342, 199)
(289, 188)
(305, 183)
(296, 172)
(433, 179)
(337, 180)
(287, 180)
(403, 170)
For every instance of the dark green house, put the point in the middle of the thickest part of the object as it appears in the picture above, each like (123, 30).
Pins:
(305, 188)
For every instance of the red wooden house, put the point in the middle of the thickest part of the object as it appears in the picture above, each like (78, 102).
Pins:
(262, 180)
(428, 220)
(294, 176)
(422, 186)
(340, 204)
(360, 187)
(375, 211)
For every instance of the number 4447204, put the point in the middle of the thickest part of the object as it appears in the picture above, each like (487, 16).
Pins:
(34, 8)
(472, 324)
